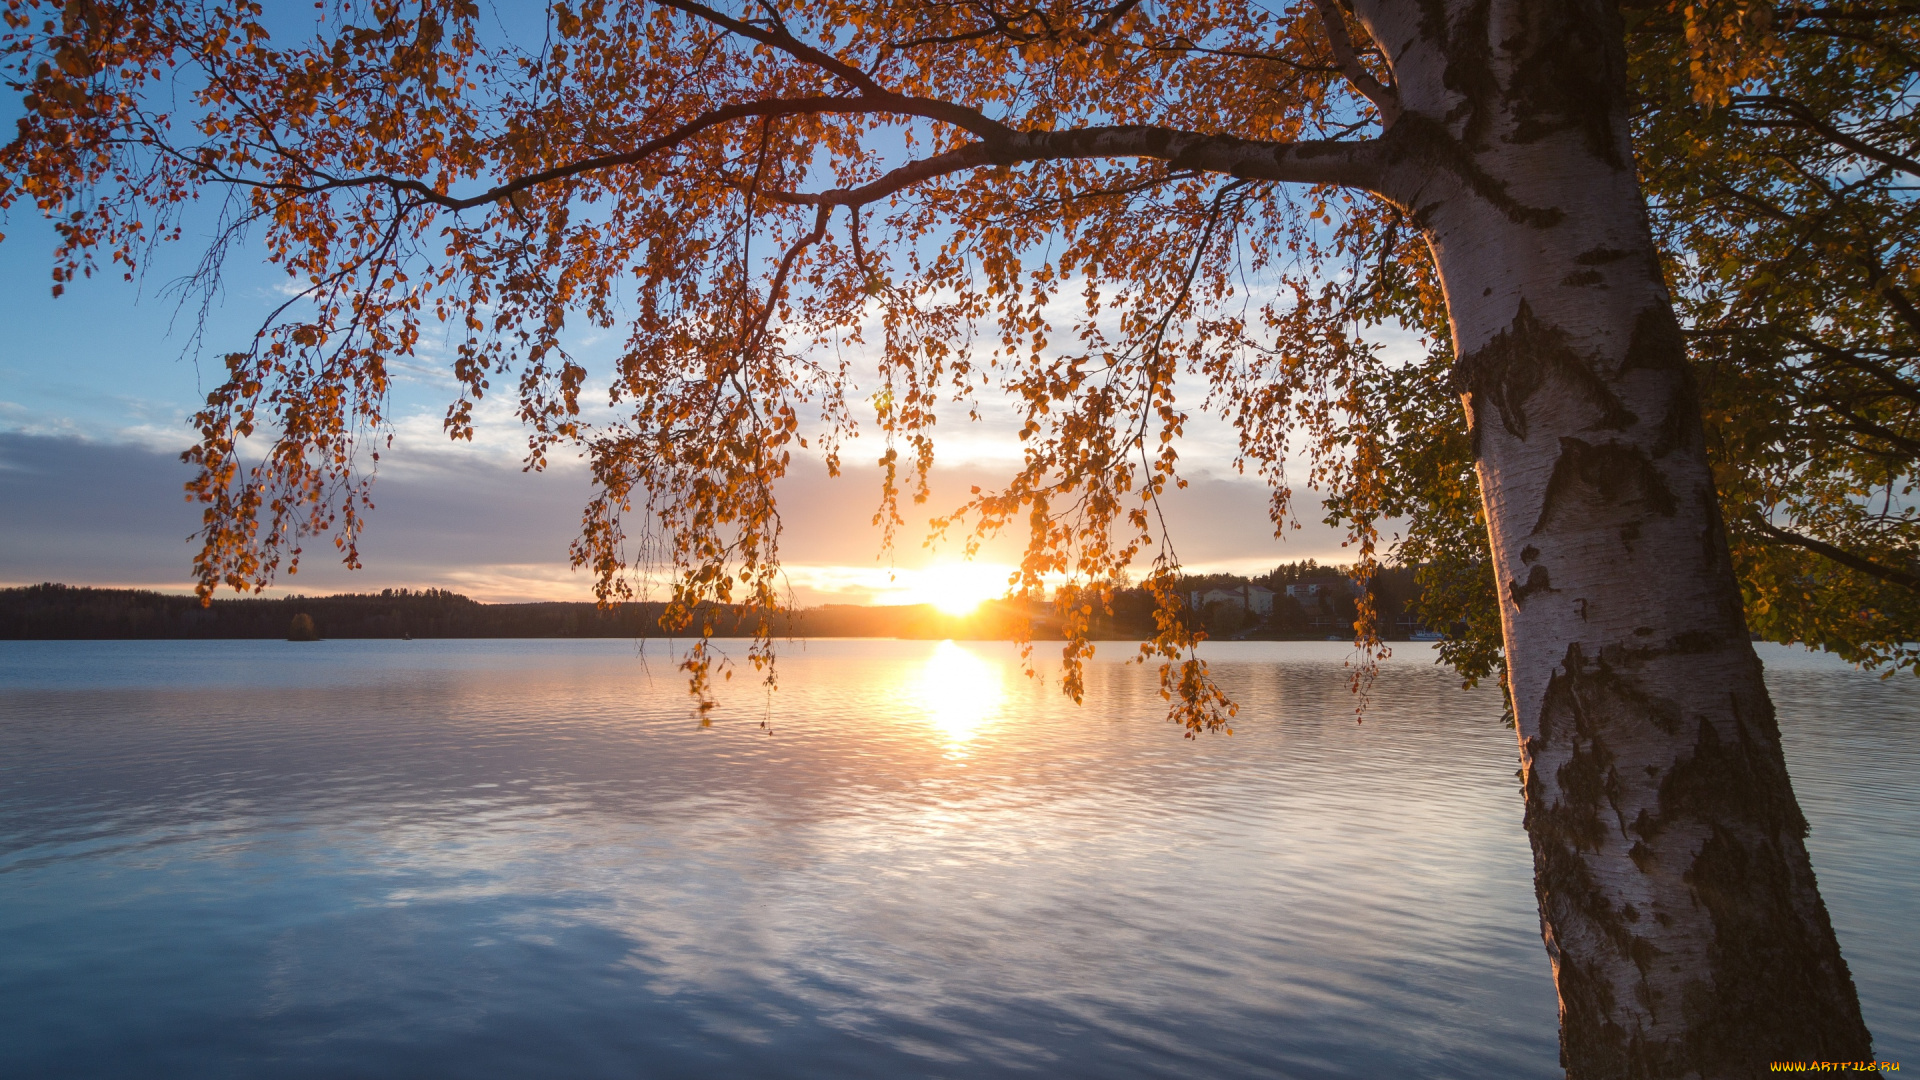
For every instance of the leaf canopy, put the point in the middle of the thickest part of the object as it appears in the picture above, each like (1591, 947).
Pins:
(856, 218)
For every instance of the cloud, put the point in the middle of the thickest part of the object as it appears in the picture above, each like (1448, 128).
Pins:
(17, 417)
(93, 513)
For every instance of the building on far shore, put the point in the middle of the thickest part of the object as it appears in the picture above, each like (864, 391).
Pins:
(1252, 599)
(1311, 590)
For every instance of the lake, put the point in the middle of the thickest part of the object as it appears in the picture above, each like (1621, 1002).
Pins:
(526, 858)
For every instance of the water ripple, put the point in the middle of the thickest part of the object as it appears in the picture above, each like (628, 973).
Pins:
(479, 859)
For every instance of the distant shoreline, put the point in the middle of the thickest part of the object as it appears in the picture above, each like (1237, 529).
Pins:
(79, 613)
(53, 612)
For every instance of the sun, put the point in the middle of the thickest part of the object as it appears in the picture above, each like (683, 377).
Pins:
(959, 588)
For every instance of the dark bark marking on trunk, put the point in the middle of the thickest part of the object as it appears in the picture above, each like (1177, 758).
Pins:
(1687, 643)
(1519, 361)
(1426, 143)
(1719, 556)
(1572, 906)
(1537, 582)
(1566, 67)
(1469, 68)
(1725, 779)
(1588, 1035)
(1583, 701)
(1778, 985)
(1772, 949)
(1601, 256)
(1588, 702)
(1608, 677)
(1585, 279)
(1698, 642)
(1681, 428)
(1657, 345)
(1569, 62)
(1766, 981)
(1591, 481)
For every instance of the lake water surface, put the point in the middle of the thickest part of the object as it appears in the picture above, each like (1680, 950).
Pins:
(525, 858)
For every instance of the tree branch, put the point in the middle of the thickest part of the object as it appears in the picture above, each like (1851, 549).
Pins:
(1885, 374)
(1352, 164)
(706, 120)
(1334, 18)
(1843, 557)
(960, 116)
(758, 328)
(1807, 118)
(1905, 448)
(1356, 164)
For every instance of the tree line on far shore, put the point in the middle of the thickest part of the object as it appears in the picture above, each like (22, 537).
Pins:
(52, 611)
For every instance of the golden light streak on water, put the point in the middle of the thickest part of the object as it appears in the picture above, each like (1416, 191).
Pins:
(961, 693)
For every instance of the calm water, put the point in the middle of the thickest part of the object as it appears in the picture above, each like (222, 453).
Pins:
(513, 858)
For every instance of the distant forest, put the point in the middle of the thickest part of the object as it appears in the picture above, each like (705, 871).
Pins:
(76, 612)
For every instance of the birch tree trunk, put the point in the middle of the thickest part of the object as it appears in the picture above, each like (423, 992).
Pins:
(1687, 936)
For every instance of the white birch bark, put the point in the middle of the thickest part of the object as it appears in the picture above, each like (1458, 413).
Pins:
(1678, 906)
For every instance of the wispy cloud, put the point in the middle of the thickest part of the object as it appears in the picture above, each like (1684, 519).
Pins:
(466, 518)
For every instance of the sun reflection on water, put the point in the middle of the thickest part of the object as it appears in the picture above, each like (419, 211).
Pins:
(960, 692)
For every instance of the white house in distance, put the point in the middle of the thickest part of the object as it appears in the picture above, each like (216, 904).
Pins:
(1253, 599)
(1311, 590)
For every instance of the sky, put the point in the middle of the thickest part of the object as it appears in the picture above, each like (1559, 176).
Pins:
(96, 388)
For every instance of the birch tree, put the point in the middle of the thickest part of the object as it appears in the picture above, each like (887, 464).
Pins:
(1075, 204)
(1787, 224)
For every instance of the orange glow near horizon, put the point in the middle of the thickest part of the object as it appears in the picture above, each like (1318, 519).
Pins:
(959, 588)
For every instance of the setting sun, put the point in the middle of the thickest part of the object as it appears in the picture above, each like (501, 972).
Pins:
(960, 588)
